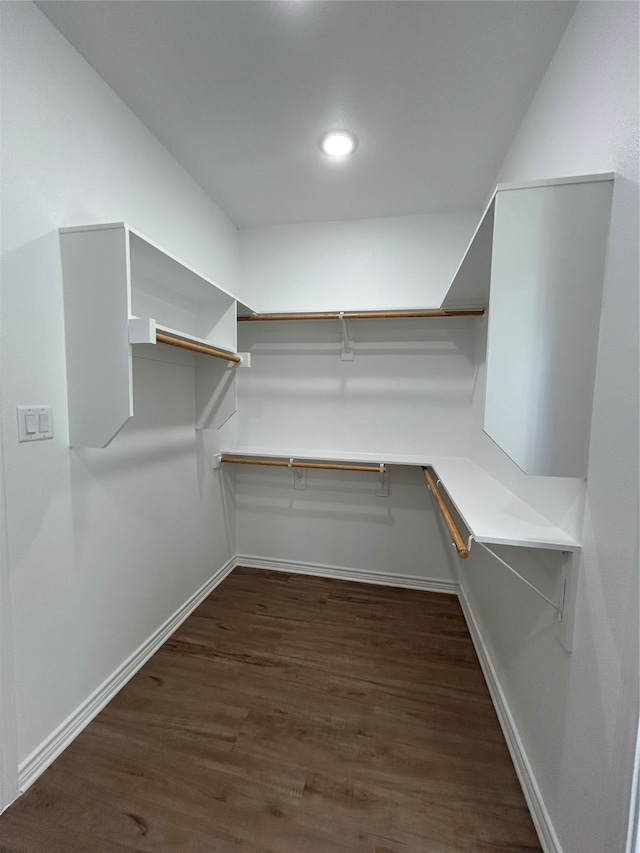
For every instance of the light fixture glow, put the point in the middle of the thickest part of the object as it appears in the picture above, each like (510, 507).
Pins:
(338, 144)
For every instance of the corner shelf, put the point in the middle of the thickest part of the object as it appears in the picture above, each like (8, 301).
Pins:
(119, 287)
(492, 513)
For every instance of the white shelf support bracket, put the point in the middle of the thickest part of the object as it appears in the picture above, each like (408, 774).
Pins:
(216, 462)
(246, 359)
(383, 482)
(346, 354)
(560, 610)
(565, 629)
(299, 477)
(142, 330)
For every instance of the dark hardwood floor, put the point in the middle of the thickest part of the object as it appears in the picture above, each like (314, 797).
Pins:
(290, 714)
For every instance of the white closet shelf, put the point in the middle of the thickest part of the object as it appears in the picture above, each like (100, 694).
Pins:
(391, 314)
(159, 263)
(122, 289)
(142, 330)
(332, 455)
(469, 287)
(491, 512)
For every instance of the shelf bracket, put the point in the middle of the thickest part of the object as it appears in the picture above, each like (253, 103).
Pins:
(383, 482)
(299, 477)
(142, 330)
(558, 610)
(565, 629)
(346, 353)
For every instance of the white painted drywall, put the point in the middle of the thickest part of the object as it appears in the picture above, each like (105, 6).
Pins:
(407, 391)
(102, 546)
(577, 715)
(338, 523)
(402, 262)
(8, 721)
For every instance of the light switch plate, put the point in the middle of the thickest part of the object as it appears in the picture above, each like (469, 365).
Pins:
(35, 423)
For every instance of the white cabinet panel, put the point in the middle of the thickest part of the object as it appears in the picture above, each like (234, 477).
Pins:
(549, 247)
(118, 289)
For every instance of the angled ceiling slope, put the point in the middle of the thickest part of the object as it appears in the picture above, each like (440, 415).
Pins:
(240, 93)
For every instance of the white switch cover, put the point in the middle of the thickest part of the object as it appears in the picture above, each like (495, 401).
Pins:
(35, 423)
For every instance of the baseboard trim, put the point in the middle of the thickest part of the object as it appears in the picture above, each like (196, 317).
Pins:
(50, 749)
(341, 573)
(539, 814)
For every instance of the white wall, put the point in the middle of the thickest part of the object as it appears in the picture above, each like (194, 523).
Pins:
(102, 546)
(577, 715)
(402, 262)
(339, 527)
(407, 391)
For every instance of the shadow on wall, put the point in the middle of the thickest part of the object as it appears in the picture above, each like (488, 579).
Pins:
(428, 336)
(349, 497)
(36, 474)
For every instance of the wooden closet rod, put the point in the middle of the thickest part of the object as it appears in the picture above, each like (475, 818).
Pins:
(363, 315)
(161, 338)
(456, 536)
(284, 463)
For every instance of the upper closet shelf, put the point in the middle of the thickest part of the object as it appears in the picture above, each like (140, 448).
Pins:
(470, 285)
(335, 456)
(121, 289)
(416, 313)
(491, 512)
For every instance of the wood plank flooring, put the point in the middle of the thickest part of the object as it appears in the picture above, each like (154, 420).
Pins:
(290, 714)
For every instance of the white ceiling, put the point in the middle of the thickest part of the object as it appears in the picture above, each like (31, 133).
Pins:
(240, 92)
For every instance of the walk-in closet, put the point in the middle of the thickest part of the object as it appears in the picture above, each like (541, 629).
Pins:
(319, 499)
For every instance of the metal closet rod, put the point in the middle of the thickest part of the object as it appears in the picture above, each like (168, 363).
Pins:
(163, 338)
(457, 538)
(363, 315)
(291, 463)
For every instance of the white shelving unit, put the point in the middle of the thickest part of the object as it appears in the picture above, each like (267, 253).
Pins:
(547, 272)
(491, 512)
(471, 282)
(537, 260)
(181, 301)
(119, 288)
(332, 455)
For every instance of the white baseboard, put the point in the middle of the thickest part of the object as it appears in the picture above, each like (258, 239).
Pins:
(50, 749)
(539, 813)
(341, 573)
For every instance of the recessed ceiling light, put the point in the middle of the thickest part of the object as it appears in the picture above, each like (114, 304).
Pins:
(338, 144)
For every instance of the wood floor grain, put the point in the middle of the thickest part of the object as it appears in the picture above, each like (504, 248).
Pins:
(290, 714)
